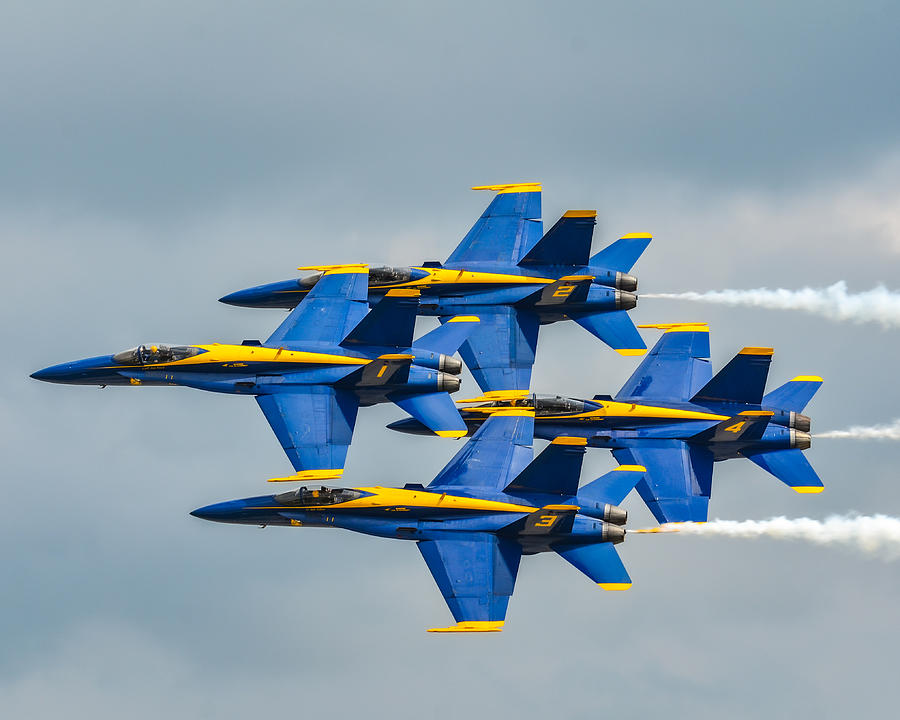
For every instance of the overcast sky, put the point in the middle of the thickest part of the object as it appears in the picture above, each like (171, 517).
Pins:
(154, 157)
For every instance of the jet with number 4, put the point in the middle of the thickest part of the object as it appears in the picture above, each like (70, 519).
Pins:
(329, 356)
(674, 418)
(487, 508)
(515, 278)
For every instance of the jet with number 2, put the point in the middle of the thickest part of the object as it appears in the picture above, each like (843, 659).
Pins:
(674, 418)
(490, 505)
(515, 278)
(329, 356)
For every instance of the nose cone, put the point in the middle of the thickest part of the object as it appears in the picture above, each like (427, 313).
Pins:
(228, 512)
(91, 371)
(284, 294)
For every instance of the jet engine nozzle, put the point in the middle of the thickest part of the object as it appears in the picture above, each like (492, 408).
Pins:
(626, 282)
(615, 515)
(625, 300)
(801, 422)
(613, 533)
(448, 383)
(800, 440)
(450, 364)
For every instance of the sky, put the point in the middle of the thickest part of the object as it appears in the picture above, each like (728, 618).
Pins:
(156, 156)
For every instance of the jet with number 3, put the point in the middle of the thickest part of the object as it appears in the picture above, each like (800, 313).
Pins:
(329, 356)
(676, 419)
(487, 508)
(515, 278)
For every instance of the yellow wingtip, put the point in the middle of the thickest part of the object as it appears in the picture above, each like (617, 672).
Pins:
(631, 352)
(808, 490)
(337, 269)
(679, 327)
(307, 475)
(767, 351)
(566, 440)
(471, 626)
(631, 468)
(451, 433)
(580, 213)
(637, 235)
(807, 378)
(511, 187)
(615, 586)
(464, 318)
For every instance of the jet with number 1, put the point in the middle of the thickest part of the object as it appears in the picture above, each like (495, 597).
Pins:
(676, 419)
(515, 278)
(490, 505)
(329, 356)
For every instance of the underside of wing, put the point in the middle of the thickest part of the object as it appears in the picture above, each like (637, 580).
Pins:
(315, 428)
(678, 479)
(476, 574)
(500, 350)
(675, 369)
(335, 305)
(506, 230)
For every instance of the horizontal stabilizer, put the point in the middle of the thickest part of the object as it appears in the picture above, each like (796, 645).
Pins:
(447, 338)
(614, 328)
(623, 253)
(555, 471)
(794, 395)
(675, 369)
(435, 410)
(742, 380)
(506, 230)
(600, 562)
(791, 467)
(494, 455)
(390, 323)
(613, 487)
(736, 429)
(567, 243)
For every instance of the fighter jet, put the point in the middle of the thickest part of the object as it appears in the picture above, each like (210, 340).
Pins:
(329, 356)
(489, 506)
(515, 278)
(676, 419)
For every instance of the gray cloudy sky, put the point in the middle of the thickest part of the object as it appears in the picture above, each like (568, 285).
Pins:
(158, 155)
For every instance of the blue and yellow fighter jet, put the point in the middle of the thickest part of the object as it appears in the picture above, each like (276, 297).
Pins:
(674, 418)
(329, 356)
(515, 278)
(489, 506)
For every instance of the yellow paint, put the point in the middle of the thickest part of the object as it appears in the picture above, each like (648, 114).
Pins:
(631, 352)
(338, 269)
(615, 586)
(807, 378)
(515, 412)
(580, 213)
(737, 427)
(511, 187)
(498, 396)
(471, 626)
(563, 291)
(451, 433)
(382, 371)
(444, 276)
(397, 356)
(546, 521)
(230, 354)
(757, 413)
(576, 278)
(757, 351)
(637, 235)
(403, 292)
(464, 318)
(296, 523)
(611, 408)
(630, 468)
(134, 381)
(309, 475)
(561, 508)
(679, 327)
(564, 440)
(808, 490)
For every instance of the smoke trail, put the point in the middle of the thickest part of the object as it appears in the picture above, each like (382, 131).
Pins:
(862, 432)
(878, 534)
(833, 302)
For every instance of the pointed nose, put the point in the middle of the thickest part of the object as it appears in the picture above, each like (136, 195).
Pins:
(283, 294)
(221, 512)
(90, 371)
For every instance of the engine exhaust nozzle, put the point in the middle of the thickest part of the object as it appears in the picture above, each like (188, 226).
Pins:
(626, 282)
(800, 440)
(613, 533)
(625, 300)
(450, 364)
(448, 383)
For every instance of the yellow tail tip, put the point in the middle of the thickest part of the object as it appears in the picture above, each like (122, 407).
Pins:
(511, 187)
(471, 626)
(808, 490)
(614, 586)
(807, 378)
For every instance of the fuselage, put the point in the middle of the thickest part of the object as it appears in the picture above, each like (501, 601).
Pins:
(448, 290)
(252, 368)
(415, 513)
(611, 424)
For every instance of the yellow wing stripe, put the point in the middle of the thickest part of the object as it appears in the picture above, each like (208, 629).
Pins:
(471, 626)
(615, 586)
(631, 352)
(679, 327)
(630, 468)
(451, 433)
(310, 475)
(811, 490)
(338, 269)
(464, 318)
(636, 235)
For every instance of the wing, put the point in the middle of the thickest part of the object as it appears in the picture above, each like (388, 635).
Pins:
(676, 367)
(507, 230)
(336, 304)
(495, 454)
(476, 574)
(314, 426)
(500, 350)
(678, 479)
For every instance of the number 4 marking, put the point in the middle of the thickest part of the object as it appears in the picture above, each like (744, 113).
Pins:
(737, 427)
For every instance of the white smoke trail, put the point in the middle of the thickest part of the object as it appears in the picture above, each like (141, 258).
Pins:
(878, 534)
(833, 302)
(863, 432)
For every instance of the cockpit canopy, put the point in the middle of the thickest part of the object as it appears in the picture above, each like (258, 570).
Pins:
(152, 354)
(545, 404)
(305, 497)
